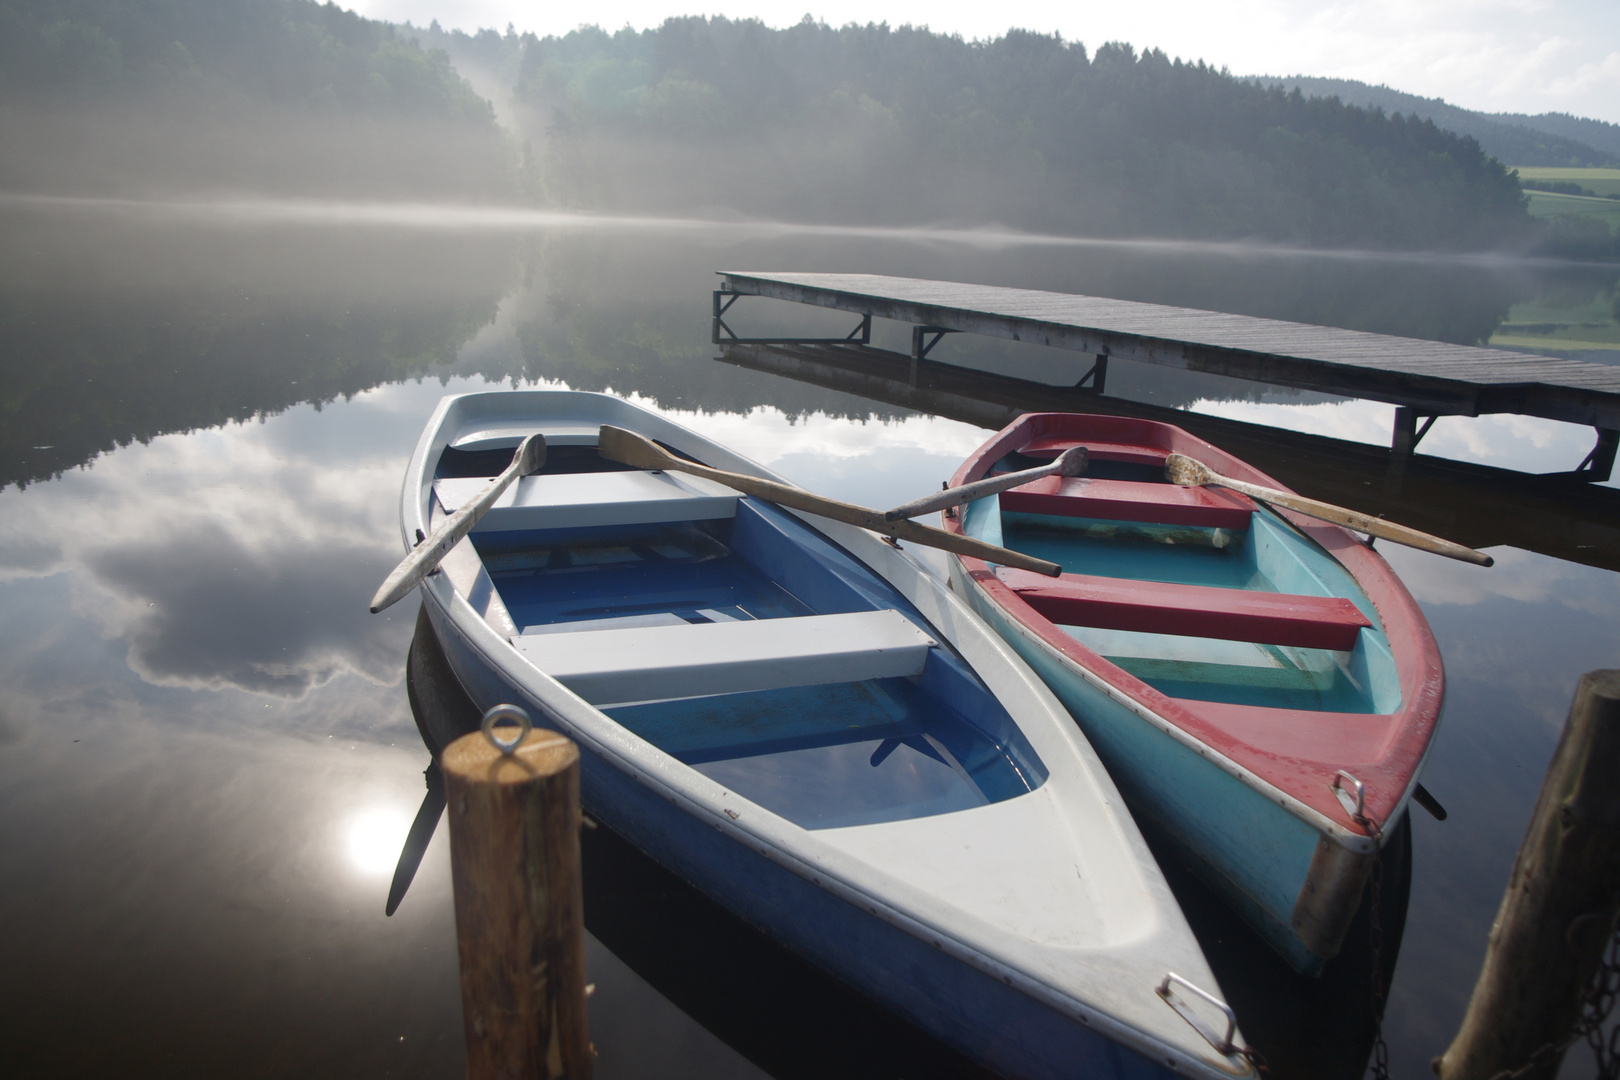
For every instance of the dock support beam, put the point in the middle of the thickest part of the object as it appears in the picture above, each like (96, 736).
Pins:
(1558, 914)
(1407, 432)
(520, 927)
(721, 334)
(1407, 435)
(921, 345)
(1096, 376)
(1599, 464)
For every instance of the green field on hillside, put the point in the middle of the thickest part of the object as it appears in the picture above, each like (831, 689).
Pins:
(1601, 182)
(1561, 324)
(1546, 204)
(1598, 181)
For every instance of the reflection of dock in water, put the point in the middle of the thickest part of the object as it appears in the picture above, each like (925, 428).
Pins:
(1477, 505)
(1424, 379)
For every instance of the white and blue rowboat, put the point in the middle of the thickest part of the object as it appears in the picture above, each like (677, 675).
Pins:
(801, 721)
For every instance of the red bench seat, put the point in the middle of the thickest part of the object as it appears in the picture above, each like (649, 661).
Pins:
(1311, 622)
(1130, 500)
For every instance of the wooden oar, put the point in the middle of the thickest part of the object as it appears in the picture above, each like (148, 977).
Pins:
(416, 841)
(638, 451)
(425, 556)
(1185, 471)
(1072, 462)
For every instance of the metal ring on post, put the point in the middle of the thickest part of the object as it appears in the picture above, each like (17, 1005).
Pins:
(506, 712)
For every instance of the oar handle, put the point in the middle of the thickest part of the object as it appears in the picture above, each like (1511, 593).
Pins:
(530, 456)
(629, 448)
(1372, 526)
(1187, 472)
(1072, 462)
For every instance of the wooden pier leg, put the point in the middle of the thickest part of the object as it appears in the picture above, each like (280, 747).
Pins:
(1558, 913)
(520, 929)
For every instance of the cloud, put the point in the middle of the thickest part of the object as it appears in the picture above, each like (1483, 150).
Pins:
(236, 557)
(243, 557)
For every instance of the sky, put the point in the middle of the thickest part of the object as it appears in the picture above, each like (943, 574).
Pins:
(1528, 56)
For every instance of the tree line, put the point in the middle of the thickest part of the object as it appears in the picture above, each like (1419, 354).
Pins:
(903, 125)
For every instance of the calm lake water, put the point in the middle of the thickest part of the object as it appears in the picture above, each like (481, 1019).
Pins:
(207, 757)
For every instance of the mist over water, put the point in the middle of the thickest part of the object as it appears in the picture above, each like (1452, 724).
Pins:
(459, 216)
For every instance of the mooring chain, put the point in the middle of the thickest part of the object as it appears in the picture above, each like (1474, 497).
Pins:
(1596, 1005)
(1600, 998)
(1380, 1054)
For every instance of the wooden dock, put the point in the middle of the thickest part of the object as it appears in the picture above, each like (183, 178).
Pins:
(1473, 504)
(1423, 378)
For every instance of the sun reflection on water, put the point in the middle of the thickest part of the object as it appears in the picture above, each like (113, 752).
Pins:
(373, 838)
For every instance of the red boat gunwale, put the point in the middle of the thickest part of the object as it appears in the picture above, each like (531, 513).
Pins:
(1297, 752)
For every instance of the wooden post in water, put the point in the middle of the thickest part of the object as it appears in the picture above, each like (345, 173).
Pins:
(1558, 913)
(520, 929)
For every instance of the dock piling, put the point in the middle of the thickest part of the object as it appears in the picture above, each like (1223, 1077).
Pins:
(514, 858)
(1558, 914)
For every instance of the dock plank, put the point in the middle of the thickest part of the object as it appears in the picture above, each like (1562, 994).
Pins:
(1431, 376)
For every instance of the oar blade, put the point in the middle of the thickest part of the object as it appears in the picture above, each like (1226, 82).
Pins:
(1184, 471)
(529, 458)
(629, 448)
(1072, 462)
(416, 841)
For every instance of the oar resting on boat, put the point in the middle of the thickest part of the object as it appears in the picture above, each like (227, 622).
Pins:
(629, 448)
(1072, 462)
(530, 458)
(1186, 472)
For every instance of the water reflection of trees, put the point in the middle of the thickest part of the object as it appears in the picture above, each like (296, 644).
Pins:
(114, 331)
(110, 336)
(606, 316)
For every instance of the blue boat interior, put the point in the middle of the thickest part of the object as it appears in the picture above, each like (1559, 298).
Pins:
(1270, 556)
(825, 755)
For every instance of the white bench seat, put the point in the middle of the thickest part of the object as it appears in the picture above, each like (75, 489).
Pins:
(493, 433)
(592, 500)
(648, 663)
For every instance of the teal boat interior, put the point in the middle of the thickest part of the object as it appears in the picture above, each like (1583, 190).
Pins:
(1207, 640)
(822, 747)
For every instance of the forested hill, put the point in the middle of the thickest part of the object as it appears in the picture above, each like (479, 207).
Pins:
(903, 126)
(1515, 138)
(259, 94)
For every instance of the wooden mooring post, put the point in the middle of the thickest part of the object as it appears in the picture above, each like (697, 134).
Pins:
(520, 929)
(1558, 914)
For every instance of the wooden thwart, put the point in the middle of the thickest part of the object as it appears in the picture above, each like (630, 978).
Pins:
(1154, 607)
(1129, 500)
